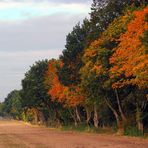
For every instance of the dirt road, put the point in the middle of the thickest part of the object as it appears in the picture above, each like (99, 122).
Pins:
(15, 134)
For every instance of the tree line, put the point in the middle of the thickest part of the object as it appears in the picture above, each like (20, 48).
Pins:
(101, 77)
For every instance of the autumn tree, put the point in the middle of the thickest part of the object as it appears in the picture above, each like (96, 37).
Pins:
(70, 97)
(95, 72)
(72, 61)
(130, 60)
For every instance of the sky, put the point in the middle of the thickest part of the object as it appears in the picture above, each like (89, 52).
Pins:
(32, 30)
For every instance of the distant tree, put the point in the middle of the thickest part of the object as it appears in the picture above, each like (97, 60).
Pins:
(34, 93)
(12, 105)
(2, 109)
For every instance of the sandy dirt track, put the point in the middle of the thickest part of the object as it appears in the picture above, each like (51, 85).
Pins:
(15, 134)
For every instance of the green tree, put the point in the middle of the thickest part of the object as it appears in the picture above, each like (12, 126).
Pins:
(12, 105)
(34, 93)
(103, 12)
(71, 56)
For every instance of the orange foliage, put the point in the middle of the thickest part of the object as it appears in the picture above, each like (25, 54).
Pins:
(56, 90)
(129, 58)
(89, 56)
(70, 96)
(75, 96)
(113, 32)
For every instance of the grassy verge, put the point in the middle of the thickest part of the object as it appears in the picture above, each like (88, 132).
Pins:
(82, 128)
(134, 132)
(87, 129)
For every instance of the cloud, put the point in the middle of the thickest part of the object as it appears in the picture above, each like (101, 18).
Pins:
(20, 61)
(37, 33)
(32, 30)
(20, 11)
(55, 1)
(15, 64)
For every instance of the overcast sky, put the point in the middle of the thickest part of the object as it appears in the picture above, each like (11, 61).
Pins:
(31, 30)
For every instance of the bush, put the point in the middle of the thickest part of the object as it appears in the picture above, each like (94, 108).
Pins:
(133, 131)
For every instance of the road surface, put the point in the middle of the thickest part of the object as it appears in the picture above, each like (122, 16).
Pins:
(15, 134)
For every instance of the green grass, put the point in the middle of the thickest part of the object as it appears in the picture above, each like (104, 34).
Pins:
(87, 129)
(133, 131)
(83, 128)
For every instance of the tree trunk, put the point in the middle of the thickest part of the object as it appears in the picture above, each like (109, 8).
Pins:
(74, 118)
(96, 122)
(75, 121)
(41, 117)
(88, 116)
(57, 118)
(139, 120)
(120, 124)
(77, 114)
(35, 113)
(120, 109)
